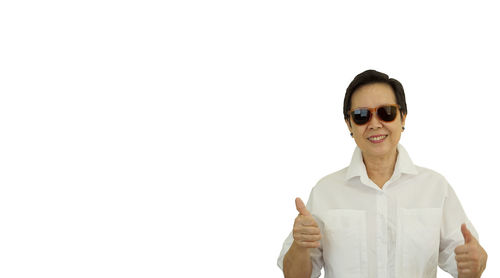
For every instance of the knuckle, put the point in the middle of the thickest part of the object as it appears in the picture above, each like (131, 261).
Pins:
(313, 238)
(297, 220)
(301, 244)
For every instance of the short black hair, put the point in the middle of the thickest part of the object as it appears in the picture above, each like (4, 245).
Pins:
(370, 77)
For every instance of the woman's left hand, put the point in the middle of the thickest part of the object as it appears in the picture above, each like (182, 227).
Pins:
(471, 257)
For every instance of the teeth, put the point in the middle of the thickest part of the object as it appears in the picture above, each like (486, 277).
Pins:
(377, 138)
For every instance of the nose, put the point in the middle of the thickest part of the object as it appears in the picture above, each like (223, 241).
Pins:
(374, 122)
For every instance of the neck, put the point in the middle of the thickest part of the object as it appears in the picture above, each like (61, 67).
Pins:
(380, 169)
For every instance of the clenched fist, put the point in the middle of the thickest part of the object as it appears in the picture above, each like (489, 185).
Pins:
(306, 232)
(471, 257)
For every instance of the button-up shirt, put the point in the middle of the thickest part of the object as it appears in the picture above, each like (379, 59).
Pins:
(403, 230)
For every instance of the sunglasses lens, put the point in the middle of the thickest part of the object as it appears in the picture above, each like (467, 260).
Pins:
(387, 113)
(361, 116)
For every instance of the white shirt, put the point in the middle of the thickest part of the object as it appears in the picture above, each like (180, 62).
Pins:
(404, 230)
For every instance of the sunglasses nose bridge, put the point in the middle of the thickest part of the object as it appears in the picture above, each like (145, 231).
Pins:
(374, 120)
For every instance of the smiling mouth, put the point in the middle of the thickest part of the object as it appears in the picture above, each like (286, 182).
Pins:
(377, 139)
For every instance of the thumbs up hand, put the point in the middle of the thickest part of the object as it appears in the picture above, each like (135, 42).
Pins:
(306, 233)
(471, 257)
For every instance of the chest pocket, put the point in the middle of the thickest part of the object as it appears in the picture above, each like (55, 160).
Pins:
(344, 248)
(418, 242)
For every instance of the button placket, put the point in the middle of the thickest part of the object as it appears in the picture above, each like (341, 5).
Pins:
(382, 261)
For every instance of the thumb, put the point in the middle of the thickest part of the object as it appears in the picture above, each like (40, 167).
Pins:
(301, 208)
(466, 233)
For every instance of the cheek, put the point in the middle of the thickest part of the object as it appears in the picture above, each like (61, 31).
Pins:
(395, 133)
(359, 130)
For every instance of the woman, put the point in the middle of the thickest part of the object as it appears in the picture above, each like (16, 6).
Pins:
(381, 216)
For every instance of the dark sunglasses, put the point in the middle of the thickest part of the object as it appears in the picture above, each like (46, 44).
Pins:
(386, 113)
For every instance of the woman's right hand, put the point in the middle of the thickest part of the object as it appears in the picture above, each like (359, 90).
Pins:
(306, 232)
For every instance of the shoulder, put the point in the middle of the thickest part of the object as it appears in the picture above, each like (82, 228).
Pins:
(429, 173)
(331, 180)
(432, 179)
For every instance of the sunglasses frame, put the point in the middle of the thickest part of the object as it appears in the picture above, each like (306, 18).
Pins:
(374, 111)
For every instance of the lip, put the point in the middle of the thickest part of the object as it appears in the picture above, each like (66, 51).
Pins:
(377, 141)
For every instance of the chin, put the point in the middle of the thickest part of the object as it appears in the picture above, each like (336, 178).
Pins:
(380, 150)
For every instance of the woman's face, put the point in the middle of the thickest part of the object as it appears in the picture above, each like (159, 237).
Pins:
(376, 139)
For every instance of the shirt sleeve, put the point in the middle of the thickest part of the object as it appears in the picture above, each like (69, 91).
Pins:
(316, 253)
(451, 234)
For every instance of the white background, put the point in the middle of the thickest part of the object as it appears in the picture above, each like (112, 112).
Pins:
(169, 139)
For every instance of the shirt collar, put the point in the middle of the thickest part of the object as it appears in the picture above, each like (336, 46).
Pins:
(404, 165)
